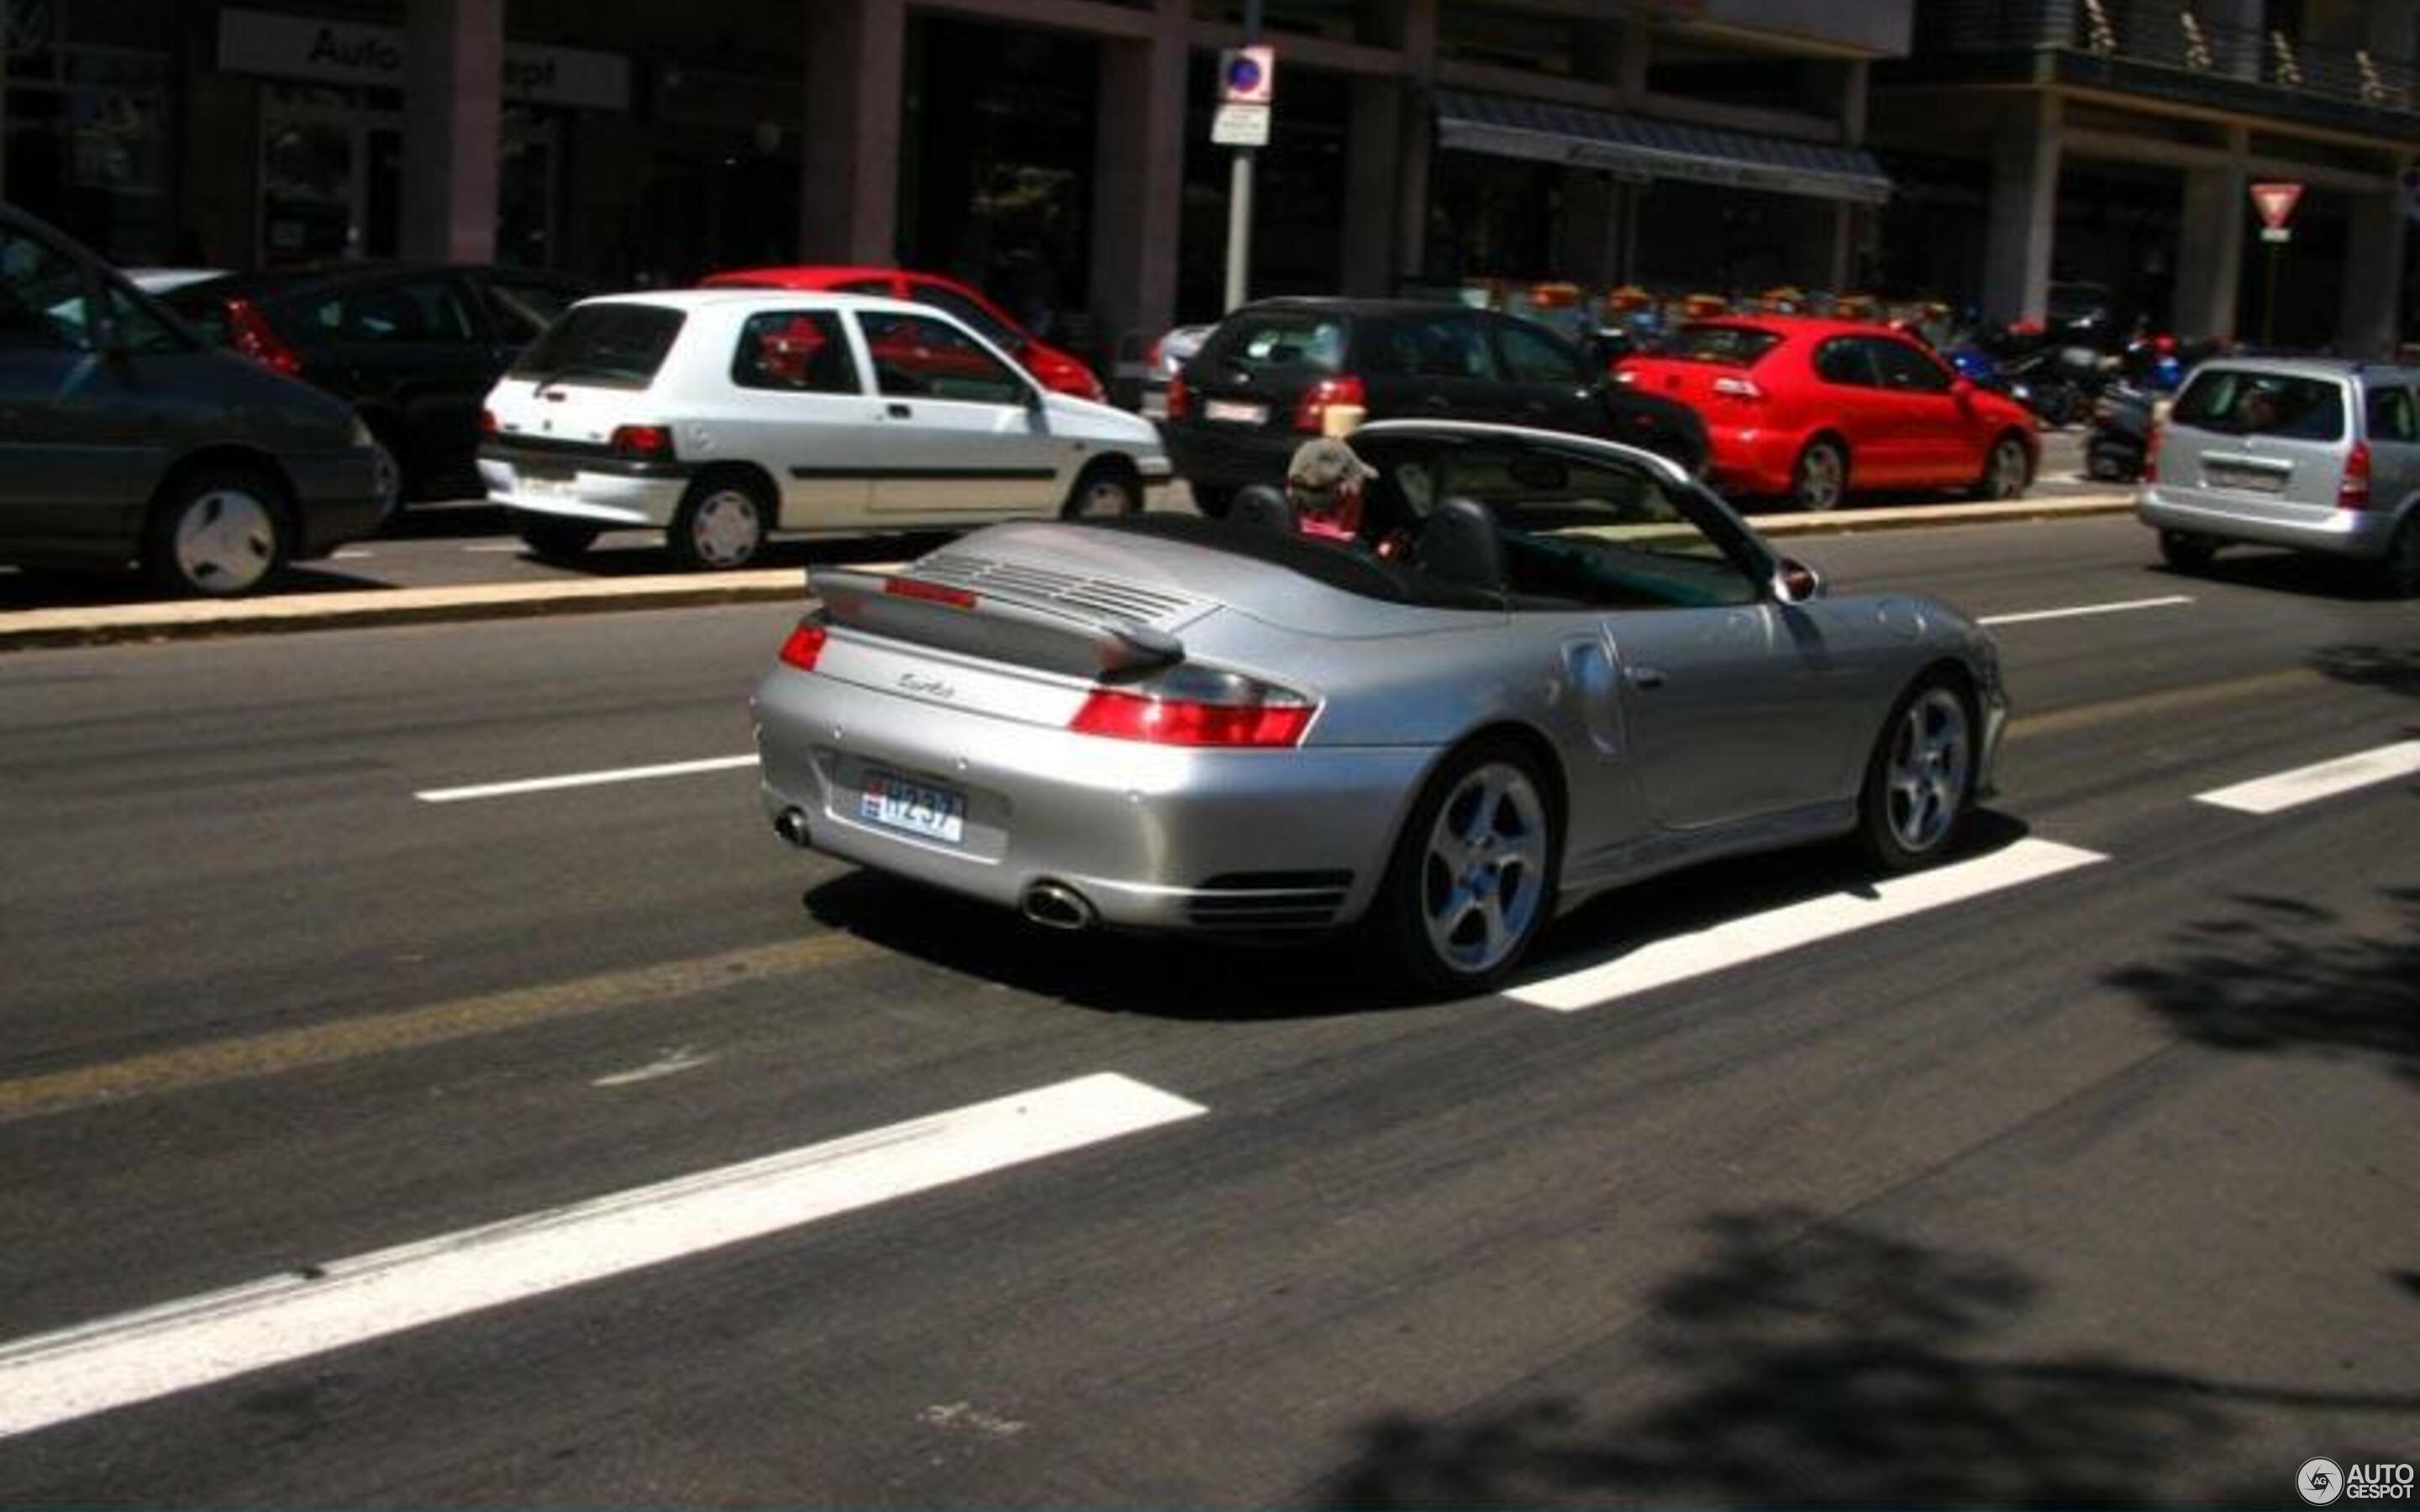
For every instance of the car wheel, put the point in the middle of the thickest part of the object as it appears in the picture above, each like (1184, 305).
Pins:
(1211, 500)
(386, 479)
(1472, 878)
(554, 539)
(2186, 553)
(1921, 780)
(1821, 479)
(721, 525)
(1104, 493)
(2102, 465)
(2004, 470)
(221, 533)
(2399, 571)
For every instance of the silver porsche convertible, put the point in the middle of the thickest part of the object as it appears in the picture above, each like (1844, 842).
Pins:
(1550, 665)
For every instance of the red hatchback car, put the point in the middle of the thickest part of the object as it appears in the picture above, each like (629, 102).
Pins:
(1058, 371)
(1807, 409)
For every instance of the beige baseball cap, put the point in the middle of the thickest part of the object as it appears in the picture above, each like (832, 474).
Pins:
(1325, 464)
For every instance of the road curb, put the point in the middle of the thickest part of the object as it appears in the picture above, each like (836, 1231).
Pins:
(121, 623)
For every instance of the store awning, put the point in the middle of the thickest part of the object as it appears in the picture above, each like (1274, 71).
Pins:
(1631, 144)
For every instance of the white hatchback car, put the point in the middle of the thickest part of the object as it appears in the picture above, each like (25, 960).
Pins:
(719, 416)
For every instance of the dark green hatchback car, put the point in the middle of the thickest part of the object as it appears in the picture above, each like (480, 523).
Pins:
(126, 440)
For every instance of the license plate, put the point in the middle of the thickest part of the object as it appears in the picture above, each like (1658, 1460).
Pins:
(1230, 412)
(917, 808)
(550, 484)
(2250, 480)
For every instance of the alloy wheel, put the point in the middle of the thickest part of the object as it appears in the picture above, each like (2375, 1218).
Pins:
(1482, 878)
(1924, 781)
(1823, 474)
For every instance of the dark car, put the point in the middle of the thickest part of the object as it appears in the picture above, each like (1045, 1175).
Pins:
(127, 438)
(1279, 371)
(414, 345)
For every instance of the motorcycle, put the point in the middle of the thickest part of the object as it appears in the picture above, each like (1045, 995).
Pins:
(2120, 442)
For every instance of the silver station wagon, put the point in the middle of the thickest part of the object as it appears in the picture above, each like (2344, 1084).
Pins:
(2316, 455)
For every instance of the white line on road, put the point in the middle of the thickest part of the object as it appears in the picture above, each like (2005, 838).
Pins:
(496, 548)
(1662, 962)
(352, 554)
(2127, 605)
(582, 779)
(56, 1377)
(2308, 784)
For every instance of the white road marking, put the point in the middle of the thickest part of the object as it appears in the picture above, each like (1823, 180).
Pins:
(671, 1065)
(2308, 784)
(582, 779)
(1662, 962)
(2079, 610)
(352, 554)
(56, 1377)
(497, 548)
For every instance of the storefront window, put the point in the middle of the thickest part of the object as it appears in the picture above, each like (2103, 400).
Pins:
(86, 142)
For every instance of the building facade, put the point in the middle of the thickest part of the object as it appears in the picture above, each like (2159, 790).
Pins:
(2073, 150)
(1056, 151)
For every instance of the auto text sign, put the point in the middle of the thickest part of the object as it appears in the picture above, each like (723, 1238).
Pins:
(2275, 203)
(358, 52)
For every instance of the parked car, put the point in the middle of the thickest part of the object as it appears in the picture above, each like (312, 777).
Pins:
(2318, 454)
(1059, 372)
(125, 439)
(1279, 370)
(1591, 670)
(1809, 409)
(412, 346)
(722, 415)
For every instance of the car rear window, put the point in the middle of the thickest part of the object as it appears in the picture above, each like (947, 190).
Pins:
(1271, 339)
(1732, 346)
(2239, 403)
(611, 345)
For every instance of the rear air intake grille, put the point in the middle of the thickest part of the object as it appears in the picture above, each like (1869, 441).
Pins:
(1254, 901)
(1041, 585)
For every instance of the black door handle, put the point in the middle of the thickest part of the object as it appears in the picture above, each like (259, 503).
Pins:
(1646, 677)
(901, 411)
(1437, 401)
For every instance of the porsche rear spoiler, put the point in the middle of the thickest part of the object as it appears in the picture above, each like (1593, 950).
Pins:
(949, 618)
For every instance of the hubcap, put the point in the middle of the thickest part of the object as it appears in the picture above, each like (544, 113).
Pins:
(726, 529)
(2008, 471)
(226, 541)
(1484, 876)
(1927, 777)
(1818, 485)
(386, 476)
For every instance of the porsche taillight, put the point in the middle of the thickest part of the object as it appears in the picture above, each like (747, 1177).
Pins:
(1191, 705)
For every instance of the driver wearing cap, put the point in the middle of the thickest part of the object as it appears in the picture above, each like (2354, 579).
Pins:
(1326, 481)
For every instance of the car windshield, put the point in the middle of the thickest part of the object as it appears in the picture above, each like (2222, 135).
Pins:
(1732, 346)
(1282, 339)
(613, 346)
(2240, 403)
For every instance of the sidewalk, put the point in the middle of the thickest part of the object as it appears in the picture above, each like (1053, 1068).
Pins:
(184, 619)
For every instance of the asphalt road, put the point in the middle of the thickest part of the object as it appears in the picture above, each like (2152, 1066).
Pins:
(2100, 1187)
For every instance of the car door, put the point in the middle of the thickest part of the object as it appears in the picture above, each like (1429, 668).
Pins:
(1942, 440)
(1547, 381)
(412, 349)
(967, 431)
(799, 406)
(1849, 398)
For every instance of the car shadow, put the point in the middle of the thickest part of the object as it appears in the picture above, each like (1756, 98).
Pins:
(639, 556)
(1328, 975)
(2300, 573)
(43, 588)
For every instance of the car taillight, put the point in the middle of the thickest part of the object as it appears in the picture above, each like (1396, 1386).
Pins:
(649, 443)
(2151, 454)
(1623, 374)
(1193, 705)
(1180, 397)
(805, 647)
(1345, 393)
(929, 592)
(2353, 492)
(1738, 388)
(248, 331)
(488, 426)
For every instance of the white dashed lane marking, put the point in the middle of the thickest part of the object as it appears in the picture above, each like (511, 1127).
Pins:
(2081, 610)
(1662, 962)
(582, 779)
(56, 1377)
(2308, 784)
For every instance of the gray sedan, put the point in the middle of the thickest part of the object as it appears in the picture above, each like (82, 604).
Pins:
(1569, 668)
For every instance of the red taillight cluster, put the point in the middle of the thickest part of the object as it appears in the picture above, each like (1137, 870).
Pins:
(2151, 454)
(488, 426)
(1167, 721)
(249, 332)
(929, 593)
(1180, 397)
(805, 647)
(1341, 392)
(2352, 492)
(647, 443)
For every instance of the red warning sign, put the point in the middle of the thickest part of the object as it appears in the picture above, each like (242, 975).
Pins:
(2276, 203)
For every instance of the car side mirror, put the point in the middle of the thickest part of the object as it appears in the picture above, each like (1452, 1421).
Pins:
(1962, 390)
(1794, 582)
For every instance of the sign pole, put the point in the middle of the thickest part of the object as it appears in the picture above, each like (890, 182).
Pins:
(1239, 193)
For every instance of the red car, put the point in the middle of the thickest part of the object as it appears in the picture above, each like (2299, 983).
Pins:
(1058, 371)
(1807, 409)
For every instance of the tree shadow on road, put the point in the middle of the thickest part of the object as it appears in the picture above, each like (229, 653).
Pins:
(1826, 1363)
(2388, 668)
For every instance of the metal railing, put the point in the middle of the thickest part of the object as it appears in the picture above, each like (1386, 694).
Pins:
(2173, 37)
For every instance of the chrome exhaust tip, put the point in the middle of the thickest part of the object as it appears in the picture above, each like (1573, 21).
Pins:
(1057, 905)
(791, 825)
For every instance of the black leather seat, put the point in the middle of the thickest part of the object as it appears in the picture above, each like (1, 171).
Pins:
(1267, 508)
(1461, 552)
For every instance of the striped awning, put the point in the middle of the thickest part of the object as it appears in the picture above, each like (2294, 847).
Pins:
(1633, 144)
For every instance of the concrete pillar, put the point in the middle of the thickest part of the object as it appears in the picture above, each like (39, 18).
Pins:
(2210, 254)
(2373, 277)
(857, 56)
(454, 85)
(1416, 129)
(1374, 150)
(1139, 167)
(2025, 211)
